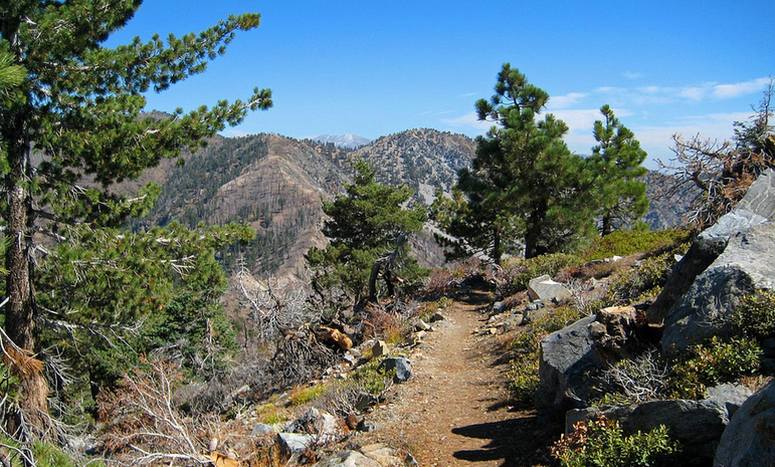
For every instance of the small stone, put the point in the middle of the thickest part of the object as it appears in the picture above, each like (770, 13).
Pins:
(262, 429)
(367, 426)
(437, 316)
(402, 367)
(421, 325)
(379, 349)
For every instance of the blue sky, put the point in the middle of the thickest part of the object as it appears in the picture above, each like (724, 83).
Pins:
(378, 67)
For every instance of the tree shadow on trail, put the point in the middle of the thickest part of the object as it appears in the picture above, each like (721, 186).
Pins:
(515, 442)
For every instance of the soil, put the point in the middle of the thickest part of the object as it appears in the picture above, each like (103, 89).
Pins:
(456, 410)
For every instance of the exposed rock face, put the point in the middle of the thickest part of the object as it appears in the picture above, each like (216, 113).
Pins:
(294, 443)
(566, 356)
(757, 207)
(697, 425)
(545, 289)
(705, 310)
(749, 439)
(729, 395)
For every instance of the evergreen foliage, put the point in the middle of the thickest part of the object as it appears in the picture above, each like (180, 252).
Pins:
(524, 178)
(76, 284)
(616, 164)
(366, 225)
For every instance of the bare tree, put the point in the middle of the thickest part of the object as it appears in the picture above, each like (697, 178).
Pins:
(722, 171)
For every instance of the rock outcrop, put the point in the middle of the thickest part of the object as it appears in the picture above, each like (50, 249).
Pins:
(749, 439)
(705, 310)
(545, 289)
(566, 357)
(756, 208)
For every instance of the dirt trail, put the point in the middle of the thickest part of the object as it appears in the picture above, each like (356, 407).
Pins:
(454, 411)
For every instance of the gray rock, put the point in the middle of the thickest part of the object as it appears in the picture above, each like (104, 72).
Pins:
(317, 422)
(545, 289)
(367, 426)
(756, 207)
(749, 439)
(421, 325)
(729, 395)
(294, 443)
(567, 356)
(535, 305)
(498, 307)
(348, 459)
(697, 425)
(705, 310)
(262, 429)
(402, 367)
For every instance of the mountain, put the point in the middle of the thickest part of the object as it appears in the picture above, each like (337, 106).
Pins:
(347, 140)
(276, 184)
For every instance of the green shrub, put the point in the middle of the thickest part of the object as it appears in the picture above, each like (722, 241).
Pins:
(602, 443)
(714, 363)
(520, 271)
(45, 455)
(372, 377)
(628, 285)
(628, 242)
(303, 395)
(755, 316)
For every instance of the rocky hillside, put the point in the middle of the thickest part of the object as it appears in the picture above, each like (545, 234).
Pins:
(276, 184)
(422, 158)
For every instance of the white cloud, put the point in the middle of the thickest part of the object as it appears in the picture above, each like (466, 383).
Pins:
(566, 100)
(723, 91)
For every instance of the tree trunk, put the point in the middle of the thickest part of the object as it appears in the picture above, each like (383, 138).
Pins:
(373, 281)
(19, 311)
(496, 247)
(606, 227)
(535, 224)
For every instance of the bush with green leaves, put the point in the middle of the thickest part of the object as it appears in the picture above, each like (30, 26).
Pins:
(368, 225)
(755, 315)
(714, 362)
(628, 242)
(603, 443)
(630, 285)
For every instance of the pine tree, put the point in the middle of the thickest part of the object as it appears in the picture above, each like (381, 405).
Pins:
(368, 230)
(616, 163)
(72, 127)
(523, 176)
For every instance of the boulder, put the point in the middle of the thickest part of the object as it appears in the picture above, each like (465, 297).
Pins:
(545, 289)
(348, 458)
(747, 264)
(613, 328)
(294, 443)
(749, 439)
(757, 207)
(729, 395)
(402, 367)
(567, 356)
(697, 425)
